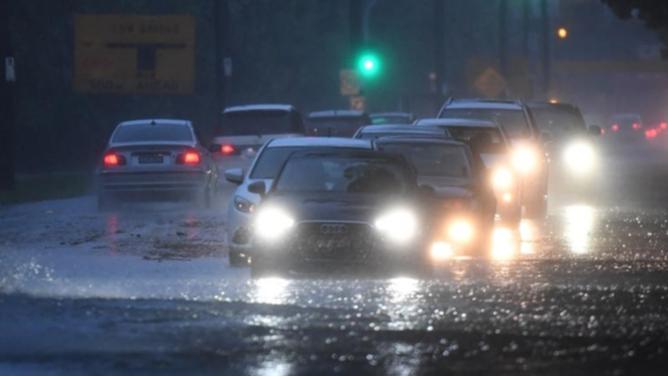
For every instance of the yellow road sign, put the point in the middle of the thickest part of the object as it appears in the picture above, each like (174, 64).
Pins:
(132, 54)
(490, 83)
(349, 82)
(358, 103)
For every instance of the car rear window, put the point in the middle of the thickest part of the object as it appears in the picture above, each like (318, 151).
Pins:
(434, 160)
(513, 122)
(489, 140)
(260, 122)
(336, 126)
(152, 133)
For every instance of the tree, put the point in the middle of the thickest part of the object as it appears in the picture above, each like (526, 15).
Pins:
(653, 13)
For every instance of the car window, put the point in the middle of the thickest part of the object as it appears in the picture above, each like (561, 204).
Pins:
(260, 122)
(342, 175)
(270, 161)
(434, 159)
(558, 121)
(489, 140)
(152, 133)
(514, 122)
(339, 125)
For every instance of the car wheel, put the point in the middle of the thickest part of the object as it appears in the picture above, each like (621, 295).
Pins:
(236, 260)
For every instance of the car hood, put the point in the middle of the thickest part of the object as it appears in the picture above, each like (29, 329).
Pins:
(324, 207)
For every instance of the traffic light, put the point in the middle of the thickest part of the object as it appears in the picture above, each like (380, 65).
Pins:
(369, 65)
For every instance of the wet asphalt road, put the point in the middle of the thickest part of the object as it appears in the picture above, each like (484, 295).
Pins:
(147, 289)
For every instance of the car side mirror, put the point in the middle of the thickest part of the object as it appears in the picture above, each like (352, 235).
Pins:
(235, 175)
(594, 130)
(258, 187)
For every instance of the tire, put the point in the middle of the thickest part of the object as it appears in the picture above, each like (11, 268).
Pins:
(236, 260)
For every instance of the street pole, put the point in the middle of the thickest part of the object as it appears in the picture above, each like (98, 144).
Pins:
(220, 28)
(438, 10)
(503, 38)
(546, 47)
(7, 98)
(370, 4)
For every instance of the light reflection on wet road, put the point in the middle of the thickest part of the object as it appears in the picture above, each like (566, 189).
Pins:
(583, 292)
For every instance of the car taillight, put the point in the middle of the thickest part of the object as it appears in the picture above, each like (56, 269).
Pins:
(615, 128)
(636, 126)
(112, 159)
(651, 133)
(190, 157)
(227, 149)
(663, 125)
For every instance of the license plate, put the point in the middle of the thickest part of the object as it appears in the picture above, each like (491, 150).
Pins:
(150, 159)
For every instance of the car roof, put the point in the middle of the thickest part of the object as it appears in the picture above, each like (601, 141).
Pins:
(478, 123)
(325, 142)
(484, 104)
(336, 113)
(418, 140)
(388, 128)
(260, 107)
(187, 123)
(380, 114)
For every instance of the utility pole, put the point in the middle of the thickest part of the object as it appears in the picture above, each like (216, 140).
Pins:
(7, 92)
(544, 12)
(503, 38)
(355, 27)
(220, 19)
(438, 77)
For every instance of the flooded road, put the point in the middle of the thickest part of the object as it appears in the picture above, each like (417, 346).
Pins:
(148, 289)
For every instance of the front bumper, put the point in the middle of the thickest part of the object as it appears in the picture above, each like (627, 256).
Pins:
(347, 244)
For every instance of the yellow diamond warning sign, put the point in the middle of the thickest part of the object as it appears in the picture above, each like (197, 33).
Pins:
(490, 83)
(132, 54)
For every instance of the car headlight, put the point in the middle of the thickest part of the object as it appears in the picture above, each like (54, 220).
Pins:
(461, 231)
(272, 222)
(399, 225)
(579, 157)
(243, 205)
(502, 179)
(525, 159)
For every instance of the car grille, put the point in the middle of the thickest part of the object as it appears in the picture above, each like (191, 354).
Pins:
(341, 241)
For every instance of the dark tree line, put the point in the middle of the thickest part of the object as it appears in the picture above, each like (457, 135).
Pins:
(654, 13)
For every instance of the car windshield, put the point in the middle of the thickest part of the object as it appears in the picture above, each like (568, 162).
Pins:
(244, 123)
(270, 161)
(336, 125)
(559, 122)
(513, 122)
(350, 175)
(433, 160)
(158, 132)
(487, 140)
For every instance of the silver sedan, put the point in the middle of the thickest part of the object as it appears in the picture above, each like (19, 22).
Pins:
(152, 157)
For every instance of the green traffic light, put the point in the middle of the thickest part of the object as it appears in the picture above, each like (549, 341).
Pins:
(369, 65)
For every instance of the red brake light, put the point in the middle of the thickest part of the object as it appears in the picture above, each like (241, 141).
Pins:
(191, 157)
(615, 128)
(112, 159)
(663, 125)
(227, 149)
(650, 134)
(636, 126)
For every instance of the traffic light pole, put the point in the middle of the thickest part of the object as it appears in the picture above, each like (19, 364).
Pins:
(7, 116)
